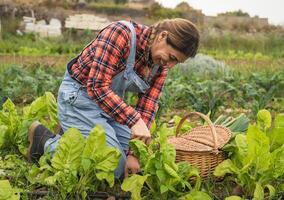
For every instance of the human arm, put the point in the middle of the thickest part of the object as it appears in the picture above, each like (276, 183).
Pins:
(147, 104)
(103, 57)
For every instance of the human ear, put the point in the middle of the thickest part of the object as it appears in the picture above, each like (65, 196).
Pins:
(162, 35)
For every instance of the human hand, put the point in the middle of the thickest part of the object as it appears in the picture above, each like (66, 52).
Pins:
(131, 166)
(141, 132)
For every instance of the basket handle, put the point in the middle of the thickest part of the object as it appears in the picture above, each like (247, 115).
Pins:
(212, 128)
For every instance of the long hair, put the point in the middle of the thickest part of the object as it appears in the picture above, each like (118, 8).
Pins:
(183, 35)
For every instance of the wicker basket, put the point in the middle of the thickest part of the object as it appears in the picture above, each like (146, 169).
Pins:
(201, 145)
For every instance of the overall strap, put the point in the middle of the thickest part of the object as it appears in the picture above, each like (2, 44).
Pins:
(131, 58)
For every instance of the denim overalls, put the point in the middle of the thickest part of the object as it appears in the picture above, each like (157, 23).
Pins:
(77, 109)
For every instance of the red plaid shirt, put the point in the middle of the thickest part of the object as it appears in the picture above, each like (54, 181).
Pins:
(105, 57)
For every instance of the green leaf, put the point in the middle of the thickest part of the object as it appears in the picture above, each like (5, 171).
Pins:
(168, 151)
(67, 180)
(169, 156)
(264, 119)
(134, 185)
(44, 109)
(3, 130)
(233, 198)
(5, 189)
(150, 167)
(277, 134)
(10, 118)
(69, 150)
(45, 160)
(7, 192)
(258, 192)
(196, 195)
(8, 108)
(258, 149)
(94, 142)
(240, 124)
(161, 174)
(281, 187)
(153, 127)
(104, 158)
(50, 181)
(172, 172)
(277, 162)
(140, 150)
(109, 159)
(194, 172)
(33, 173)
(276, 137)
(241, 154)
(164, 129)
(106, 175)
(225, 167)
(185, 126)
(86, 164)
(279, 121)
(23, 149)
(271, 190)
(84, 195)
(163, 188)
(185, 170)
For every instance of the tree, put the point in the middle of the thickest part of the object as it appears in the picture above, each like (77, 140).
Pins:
(238, 13)
(184, 6)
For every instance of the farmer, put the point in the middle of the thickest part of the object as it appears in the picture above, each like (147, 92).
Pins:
(124, 57)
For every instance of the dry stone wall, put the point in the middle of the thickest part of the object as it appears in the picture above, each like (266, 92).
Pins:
(53, 29)
(86, 21)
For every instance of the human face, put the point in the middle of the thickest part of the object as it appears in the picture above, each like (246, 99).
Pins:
(164, 54)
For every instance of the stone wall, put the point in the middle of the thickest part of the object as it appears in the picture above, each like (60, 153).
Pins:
(53, 29)
(86, 21)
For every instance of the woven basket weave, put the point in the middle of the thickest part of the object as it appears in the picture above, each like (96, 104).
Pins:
(201, 145)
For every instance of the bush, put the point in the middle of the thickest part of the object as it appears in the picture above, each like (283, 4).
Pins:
(156, 11)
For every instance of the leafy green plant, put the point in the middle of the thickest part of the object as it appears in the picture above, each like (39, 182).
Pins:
(257, 161)
(206, 85)
(14, 168)
(162, 177)
(268, 87)
(7, 192)
(204, 96)
(169, 129)
(237, 124)
(76, 166)
(32, 45)
(27, 83)
(14, 124)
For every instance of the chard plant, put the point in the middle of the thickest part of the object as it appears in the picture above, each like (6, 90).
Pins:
(14, 122)
(257, 163)
(169, 129)
(8, 192)
(77, 167)
(14, 168)
(161, 177)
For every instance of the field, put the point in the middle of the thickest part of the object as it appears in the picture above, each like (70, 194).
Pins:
(237, 81)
